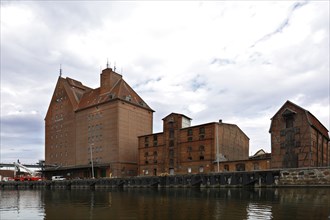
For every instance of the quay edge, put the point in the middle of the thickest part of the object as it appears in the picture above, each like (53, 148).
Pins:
(299, 177)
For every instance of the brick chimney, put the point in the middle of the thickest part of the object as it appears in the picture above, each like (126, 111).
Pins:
(108, 79)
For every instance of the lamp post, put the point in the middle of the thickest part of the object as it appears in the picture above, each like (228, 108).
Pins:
(217, 147)
(92, 162)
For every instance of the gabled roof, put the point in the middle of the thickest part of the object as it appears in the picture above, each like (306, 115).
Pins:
(312, 120)
(120, 90)
(82, 97)
(73, 88)
(260, 154)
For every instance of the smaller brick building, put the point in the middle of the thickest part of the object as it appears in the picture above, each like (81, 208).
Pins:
(298, 139)
(183, 149)
(259, 161)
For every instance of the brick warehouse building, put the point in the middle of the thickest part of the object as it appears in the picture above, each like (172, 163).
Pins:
(182, 148)
(298, 139)
(106, 120)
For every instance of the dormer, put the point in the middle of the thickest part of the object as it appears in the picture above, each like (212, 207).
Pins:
(288, 116)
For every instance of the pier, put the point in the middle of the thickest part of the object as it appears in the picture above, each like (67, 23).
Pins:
(267, 178)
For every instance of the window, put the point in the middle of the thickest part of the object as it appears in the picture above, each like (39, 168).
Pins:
(201, 157)
(240, 167)
(189, 150)
(190, 138)
(171, 162)
(146, 141)
(202, 130)
(201, 169)
(190, 132)
(155, 153)
(201, 148)
(171, 153)
(171, 134)
(171, 144)
(256, 166)
(289, 121)
(226, 167)
(155, 140)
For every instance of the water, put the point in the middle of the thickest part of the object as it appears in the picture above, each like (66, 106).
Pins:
(185, 204)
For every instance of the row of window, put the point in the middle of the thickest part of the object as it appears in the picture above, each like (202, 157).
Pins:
(59, 145)
(146, 139)
(171, 142)
(190, 131)
(59, 154)
(56, 127)
(94, 116)
(95, 149)
(201, 148)
(155, 141)
(147, 153)
(189, 170)
(95, 160)
(96, 138)
(61, 135)
(201, 157)
(241, 167)
(95, 127)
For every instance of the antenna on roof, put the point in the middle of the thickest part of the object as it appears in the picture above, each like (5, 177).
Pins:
(60, 70)
(114, 67)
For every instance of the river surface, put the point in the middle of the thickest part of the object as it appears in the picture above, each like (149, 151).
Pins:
(185, 204)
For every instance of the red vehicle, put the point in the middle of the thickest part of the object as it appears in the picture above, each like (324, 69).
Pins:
(32, 176)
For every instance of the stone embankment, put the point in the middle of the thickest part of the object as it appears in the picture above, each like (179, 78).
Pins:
(305, 177)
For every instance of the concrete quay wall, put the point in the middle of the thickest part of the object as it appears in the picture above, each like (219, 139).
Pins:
(268, 178)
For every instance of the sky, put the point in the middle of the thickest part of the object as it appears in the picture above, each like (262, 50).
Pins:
(238, 61)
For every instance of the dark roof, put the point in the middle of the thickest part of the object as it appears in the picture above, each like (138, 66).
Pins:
(173, 113)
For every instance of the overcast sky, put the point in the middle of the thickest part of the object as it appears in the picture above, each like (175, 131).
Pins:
(238, 61)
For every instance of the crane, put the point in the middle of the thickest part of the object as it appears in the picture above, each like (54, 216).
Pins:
(33, 176)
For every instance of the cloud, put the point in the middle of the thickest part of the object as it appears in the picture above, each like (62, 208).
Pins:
(284, 24)
(22, 136)
(193, 58)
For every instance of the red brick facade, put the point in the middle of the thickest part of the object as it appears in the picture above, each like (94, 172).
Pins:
(110, 127)
(107, 120)
(260, 161)
(298, 139)
(182, 149)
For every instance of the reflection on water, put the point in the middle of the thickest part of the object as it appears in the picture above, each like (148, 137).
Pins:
(287, 203)
(16, 204)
